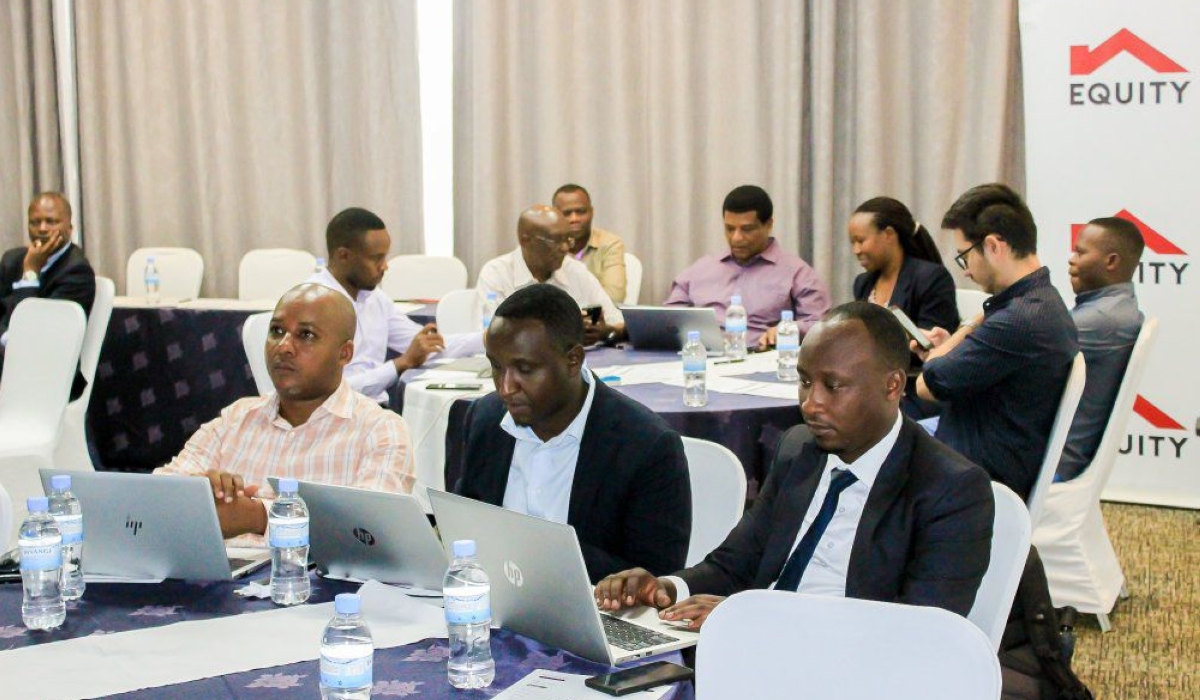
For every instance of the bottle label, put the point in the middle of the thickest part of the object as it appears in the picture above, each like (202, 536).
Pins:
(694, 364)
(41, 557)
(469, 607)
(71, 527)
(735, 325)
(353, 672)
(287, 532)
(151, 280)
(784, 343)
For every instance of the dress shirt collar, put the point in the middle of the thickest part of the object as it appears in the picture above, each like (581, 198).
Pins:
(522, 277)
(867, 466)
(1121, 289)
(326, 278)
(574, 431)
(771, 254)
(54, 258)
(1034, 280)
(340, 404)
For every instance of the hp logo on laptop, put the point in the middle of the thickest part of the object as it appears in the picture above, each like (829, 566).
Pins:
(363, 535)
(512, 572)
(131, 524)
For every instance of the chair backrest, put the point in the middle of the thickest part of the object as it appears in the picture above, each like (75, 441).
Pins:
(776, 645)
(1010, 549)
(44, 340)
(1058, 436)
(459, 311)
(267, 273)
(180, 272)
(6, 513)
(254, 339)
(633, 279)
(97, 328)
(423, 276)
(970, 303)
(718, 494)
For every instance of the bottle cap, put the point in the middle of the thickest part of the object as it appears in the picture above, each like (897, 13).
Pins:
(736, 300)
(320, 262)
(347, 604)
(492, 296)
(693, 336)
(60, 482)
(37, 504)
(149, 258)
(288, 485)
(786, 316)
(464, 548)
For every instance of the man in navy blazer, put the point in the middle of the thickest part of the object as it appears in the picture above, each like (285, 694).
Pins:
(860, 502)
(555, 442)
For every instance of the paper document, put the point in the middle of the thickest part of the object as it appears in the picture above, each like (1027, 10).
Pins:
(552, 685)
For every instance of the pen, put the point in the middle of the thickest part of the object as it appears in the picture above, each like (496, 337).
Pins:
(729, 360)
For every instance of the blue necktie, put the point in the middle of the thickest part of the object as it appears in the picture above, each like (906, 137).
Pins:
(793, 571)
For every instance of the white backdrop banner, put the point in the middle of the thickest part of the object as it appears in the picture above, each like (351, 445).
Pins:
(1112, 117)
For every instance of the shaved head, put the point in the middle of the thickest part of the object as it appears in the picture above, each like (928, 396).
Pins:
(540, 218)
(330, 305)
(545, 240)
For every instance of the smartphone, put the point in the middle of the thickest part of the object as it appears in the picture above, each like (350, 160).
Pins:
(454, 386)
(593, 313)
(911, 329)
(638, 678)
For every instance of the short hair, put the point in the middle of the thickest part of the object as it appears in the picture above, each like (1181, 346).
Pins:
(749, 198)
(347, 228)
(994, 208)
(569, 188)
(57, 196)
(914, 237)
(1125, 237)
(887, 335)
(556, 310)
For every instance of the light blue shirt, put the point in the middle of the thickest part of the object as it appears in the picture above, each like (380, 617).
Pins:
(22, 284)
(541, 473)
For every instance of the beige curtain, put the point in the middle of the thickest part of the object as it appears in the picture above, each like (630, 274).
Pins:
(30, 153)
(660, 107)
(229, 125)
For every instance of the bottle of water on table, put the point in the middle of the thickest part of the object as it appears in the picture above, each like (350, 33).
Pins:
(287, 534)
(695, 367)
(489, 309)
(347, 652)
(153, 282)
(735, 328)
(467, 595)
(320, 266)
(787, 342)
(42, 607)
(68, 515)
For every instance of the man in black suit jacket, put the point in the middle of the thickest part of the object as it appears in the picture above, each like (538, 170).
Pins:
(50, 267)
(917, 530)
(555, 442)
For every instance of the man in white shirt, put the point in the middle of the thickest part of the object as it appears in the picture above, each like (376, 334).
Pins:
(860, 502)
(544, 239)
(358, 244)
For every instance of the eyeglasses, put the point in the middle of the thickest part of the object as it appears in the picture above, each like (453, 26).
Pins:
(557, 241)
(961, 258)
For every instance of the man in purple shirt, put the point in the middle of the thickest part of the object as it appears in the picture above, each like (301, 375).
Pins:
(768, 278)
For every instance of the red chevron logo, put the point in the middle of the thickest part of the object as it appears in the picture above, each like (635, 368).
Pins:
(1155, 241)
(1085, 61)
(1154, 415)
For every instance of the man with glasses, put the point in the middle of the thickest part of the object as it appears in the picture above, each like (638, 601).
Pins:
(1001, 375)
(544, 240)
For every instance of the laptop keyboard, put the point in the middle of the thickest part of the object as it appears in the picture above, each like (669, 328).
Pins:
(630, 637)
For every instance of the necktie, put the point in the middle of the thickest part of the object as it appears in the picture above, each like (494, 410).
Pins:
(789, 580)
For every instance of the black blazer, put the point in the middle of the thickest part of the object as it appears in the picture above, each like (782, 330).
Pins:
(924, 291)
(70, 277)
(631, 501)
(924, 538)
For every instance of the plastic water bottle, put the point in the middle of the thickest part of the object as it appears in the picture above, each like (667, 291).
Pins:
(347, 652)
(695, 367)
(153, 283)
(467, 595)
(320, 266)
(735, 328)
(68, 515)
(287, 533)
(787, 342)
(489, 309)
(41, 568)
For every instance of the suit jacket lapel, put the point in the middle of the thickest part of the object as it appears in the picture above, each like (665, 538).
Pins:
(492, 491)
(589, 473)
(902, 292)
(794, 499)
(893, 475)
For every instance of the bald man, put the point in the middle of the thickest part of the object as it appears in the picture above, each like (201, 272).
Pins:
(314, 427)
(543, 240)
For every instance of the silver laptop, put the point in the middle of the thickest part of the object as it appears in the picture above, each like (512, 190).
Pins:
(148, 526)
(666, 327)
(540, 586)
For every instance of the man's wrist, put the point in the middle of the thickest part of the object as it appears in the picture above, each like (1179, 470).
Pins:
(970, 325)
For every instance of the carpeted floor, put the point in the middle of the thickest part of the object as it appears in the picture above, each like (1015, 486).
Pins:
(1153, 651)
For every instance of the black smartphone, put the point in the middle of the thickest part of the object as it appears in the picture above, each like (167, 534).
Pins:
(593, 313)
(911, 329)
(632, 680)
(454, 386)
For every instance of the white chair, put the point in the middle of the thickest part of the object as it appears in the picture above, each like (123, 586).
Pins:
(1010, 550)
(267, 273)
(1058, 437)
(6, 526)
(718, 495)
(72, 450)
(970, 303)
(423, 276)
(777, 645)
(1081, 566)
(180, 272)
(633, 279)
(45, 337)
(254, 340)
(459, 311)
(427, 413)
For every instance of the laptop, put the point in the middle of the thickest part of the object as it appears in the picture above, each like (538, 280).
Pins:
(540, 586)
(148, 526)
(666, 327)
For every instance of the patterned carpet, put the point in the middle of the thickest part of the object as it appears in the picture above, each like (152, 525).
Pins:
(1153, 651)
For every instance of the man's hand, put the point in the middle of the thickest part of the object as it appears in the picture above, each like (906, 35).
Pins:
(39, 251)
(238, 511)
(633, 587)
(936, 335)
(697, 609)
(595, 332)
(426, 342)
(767, 340)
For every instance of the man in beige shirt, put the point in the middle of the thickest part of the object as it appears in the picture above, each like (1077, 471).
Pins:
(602, 252)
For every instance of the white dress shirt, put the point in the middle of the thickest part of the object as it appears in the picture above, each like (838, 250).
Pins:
(508, 273)
(541, 473)
(380, 327)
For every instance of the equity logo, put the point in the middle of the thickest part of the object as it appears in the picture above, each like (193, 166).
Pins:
(512, 572)
(1167, 439)
(1168, 272)
(131, 524)
(1086, 61)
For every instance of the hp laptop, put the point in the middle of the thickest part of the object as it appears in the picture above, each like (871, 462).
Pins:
(145, 526)
(540, 586)
(666, 327)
